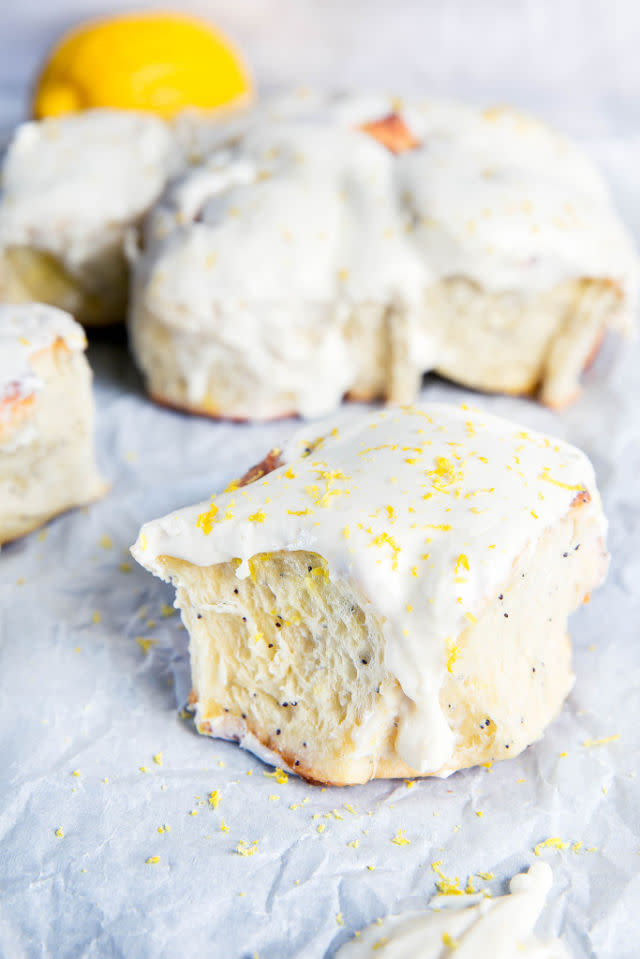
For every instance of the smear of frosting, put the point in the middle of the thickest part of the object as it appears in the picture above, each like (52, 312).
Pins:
(467, 927)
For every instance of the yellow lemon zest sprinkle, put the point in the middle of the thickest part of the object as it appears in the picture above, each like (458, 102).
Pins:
(453, 653)
(400, 838)
(383, 539)
(125, 567)
(553, 842)
(279, 775)
(544, 475)
(214, 798)
(444, 475)
(152, 860)
(462, 562)
(321, 827)
(257, 517)
(247, 849)
(167, 610)
(485, 875)
(97, 616)
(145, 644)
(446, 886)
(603, 740)
(449, 942)
(206, 520)
(353, 844)
(223, 826)
(59, 832)
(157, 758)
(339, 919)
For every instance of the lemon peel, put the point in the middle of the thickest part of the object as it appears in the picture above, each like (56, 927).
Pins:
(159, 62)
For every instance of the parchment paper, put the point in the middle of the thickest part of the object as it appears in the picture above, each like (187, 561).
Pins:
(93, 674)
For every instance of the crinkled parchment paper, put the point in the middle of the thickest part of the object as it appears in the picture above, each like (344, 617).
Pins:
(108, 844)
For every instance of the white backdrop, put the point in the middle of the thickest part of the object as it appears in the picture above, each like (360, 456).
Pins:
(575, 61)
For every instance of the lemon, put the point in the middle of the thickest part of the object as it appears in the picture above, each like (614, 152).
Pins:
(159, 62)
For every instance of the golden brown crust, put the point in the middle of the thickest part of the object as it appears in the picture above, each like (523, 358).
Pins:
(272, 461)
(42, 521)
(213, 414)
(581, 498)
(392, 132)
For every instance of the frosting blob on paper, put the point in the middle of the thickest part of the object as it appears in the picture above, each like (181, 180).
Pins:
(467, 927)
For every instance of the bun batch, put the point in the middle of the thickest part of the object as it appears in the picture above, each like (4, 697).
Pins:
(341, 249)
(387, 594)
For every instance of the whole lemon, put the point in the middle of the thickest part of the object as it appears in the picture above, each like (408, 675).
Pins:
(160, 62)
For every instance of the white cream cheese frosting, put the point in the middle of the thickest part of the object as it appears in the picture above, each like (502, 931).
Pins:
(467, 927)
(70, 184)
(25, 329)
(424, 508)
(268, 248)
(489, 194)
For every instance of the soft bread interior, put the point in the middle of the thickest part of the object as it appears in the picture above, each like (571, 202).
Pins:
(293, 659)
(47, 459)
(509, 343)
(498, 342)
(95, 293)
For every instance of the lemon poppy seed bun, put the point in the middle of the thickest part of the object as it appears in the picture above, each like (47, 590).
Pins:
(389, 598)
(348, 245)
(72, 188)
(47, 461)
